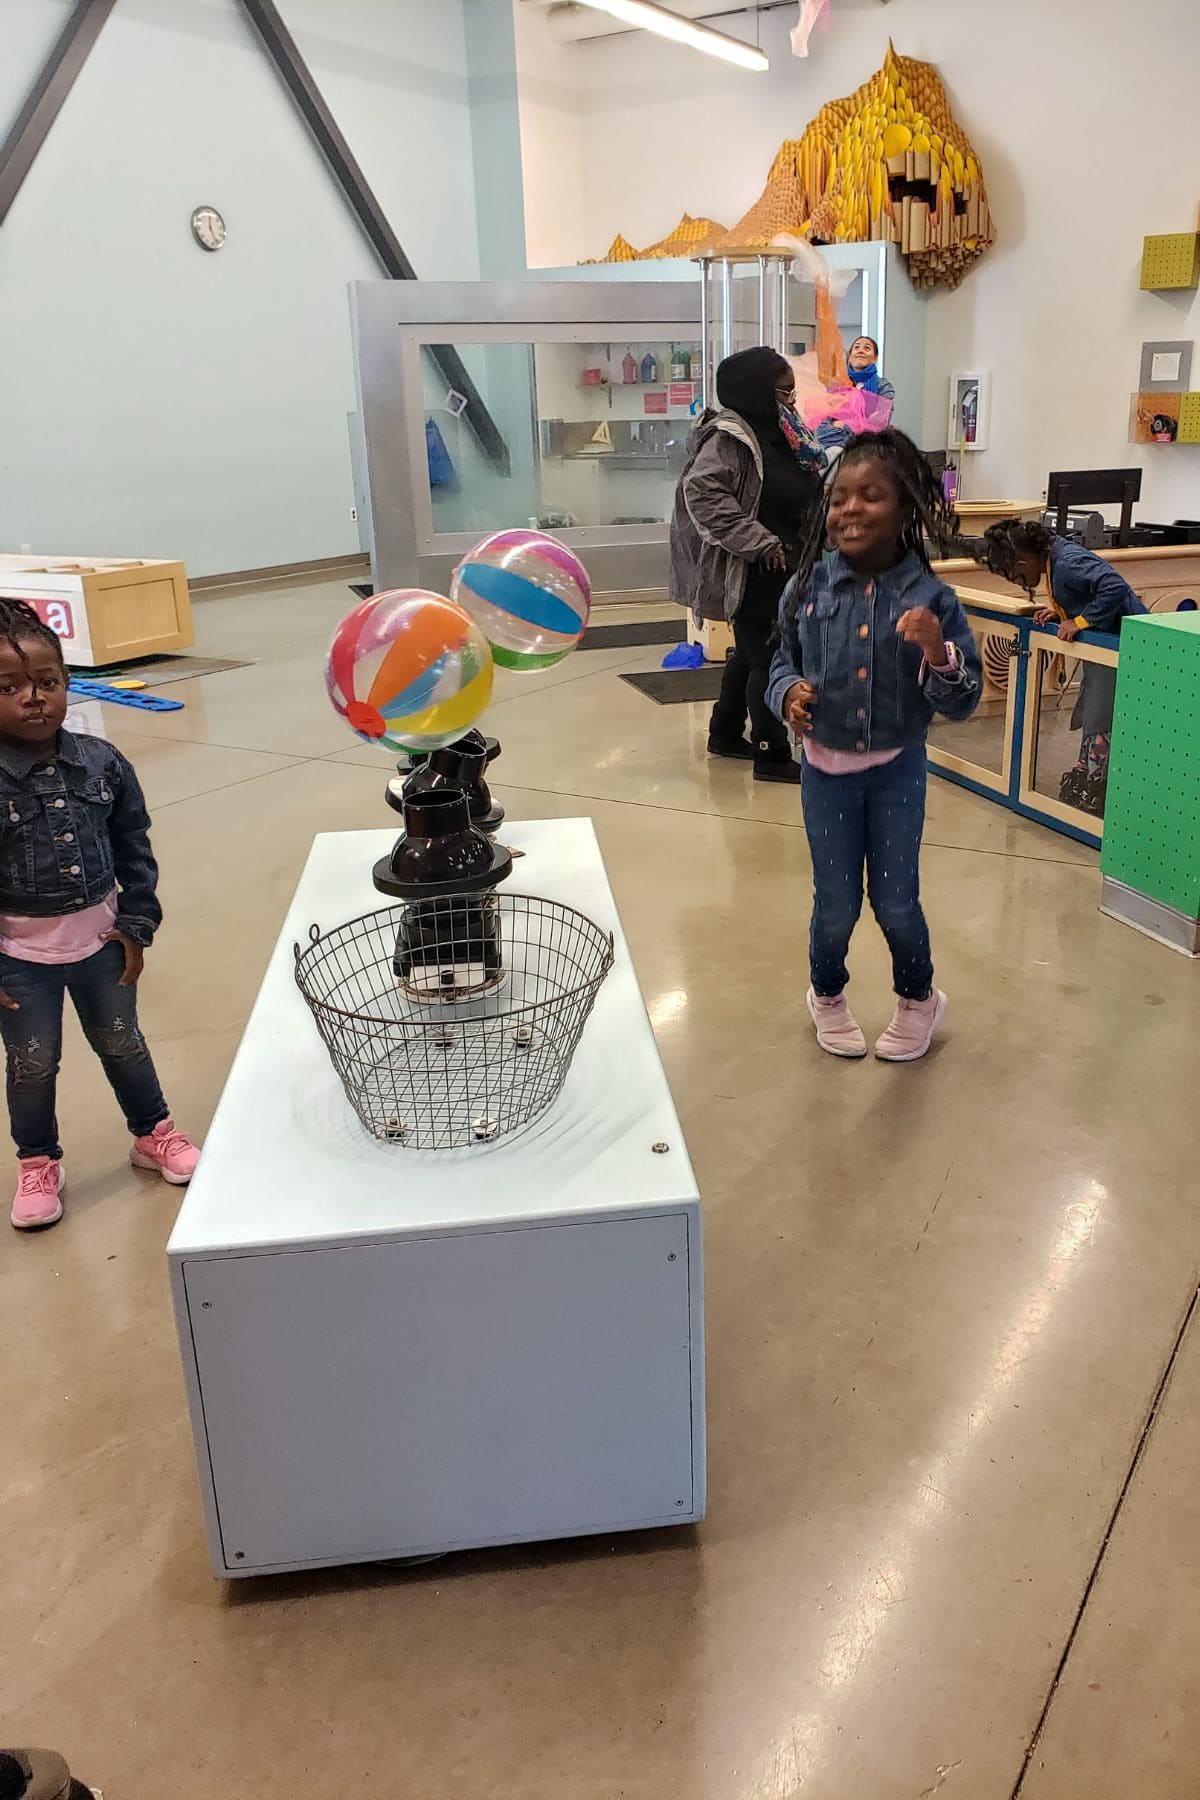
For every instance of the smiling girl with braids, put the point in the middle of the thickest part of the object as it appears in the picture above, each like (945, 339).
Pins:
(78, 908)
(872, 646)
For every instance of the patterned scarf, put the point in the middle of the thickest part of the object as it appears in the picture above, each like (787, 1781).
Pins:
(801, 442)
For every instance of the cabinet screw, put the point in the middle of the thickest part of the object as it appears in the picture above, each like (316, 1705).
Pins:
(660, 1149)
(206, 1305)
(670, 1256)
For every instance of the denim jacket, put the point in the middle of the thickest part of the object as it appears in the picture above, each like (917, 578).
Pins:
(870, 690)
(73, 824)
(1085, 588)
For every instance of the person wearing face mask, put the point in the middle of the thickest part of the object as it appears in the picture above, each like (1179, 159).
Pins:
(752, 483)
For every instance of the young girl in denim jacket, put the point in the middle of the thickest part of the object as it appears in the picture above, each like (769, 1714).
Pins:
(872, 646)
(78, 908)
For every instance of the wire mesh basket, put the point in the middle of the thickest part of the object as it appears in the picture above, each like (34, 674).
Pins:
(453, 1021)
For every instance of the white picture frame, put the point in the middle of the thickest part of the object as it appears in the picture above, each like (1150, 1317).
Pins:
(969, 418)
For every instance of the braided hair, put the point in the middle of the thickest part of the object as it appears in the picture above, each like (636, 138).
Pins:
(19, 622)
(1006, 541)
(930, 516)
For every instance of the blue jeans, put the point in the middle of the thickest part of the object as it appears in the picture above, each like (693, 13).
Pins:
(33, 1044)
(873, 819)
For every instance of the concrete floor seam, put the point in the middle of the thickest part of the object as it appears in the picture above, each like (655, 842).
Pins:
(1102, 1551)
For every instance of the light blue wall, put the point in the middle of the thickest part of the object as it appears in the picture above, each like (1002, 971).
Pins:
(496, 135)
(156, 400)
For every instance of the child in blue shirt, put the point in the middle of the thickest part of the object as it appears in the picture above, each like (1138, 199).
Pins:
(872, 646)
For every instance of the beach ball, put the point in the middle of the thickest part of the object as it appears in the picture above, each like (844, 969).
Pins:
(528, 594)
(409, 670)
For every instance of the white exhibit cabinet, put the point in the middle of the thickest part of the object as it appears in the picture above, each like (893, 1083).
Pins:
(391, 1352)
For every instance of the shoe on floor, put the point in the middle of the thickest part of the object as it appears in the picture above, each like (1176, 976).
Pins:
(837, 1028)
(776, 768)
(911, 1031)
(38, 1201)
(739, 748)
(168, 1152)
(38, 1775)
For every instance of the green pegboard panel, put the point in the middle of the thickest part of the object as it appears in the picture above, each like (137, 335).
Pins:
(1189, 419)
(1171, 261)
(1152, 810)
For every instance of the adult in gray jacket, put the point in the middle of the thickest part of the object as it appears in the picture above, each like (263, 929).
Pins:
(751, 483)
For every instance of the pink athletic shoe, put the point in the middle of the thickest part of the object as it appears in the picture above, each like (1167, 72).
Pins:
(911, 1031)
(168, 1152)
(38, 1201)
(837, 1028)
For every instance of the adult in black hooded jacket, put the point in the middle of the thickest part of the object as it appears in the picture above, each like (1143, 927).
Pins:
(741, 509)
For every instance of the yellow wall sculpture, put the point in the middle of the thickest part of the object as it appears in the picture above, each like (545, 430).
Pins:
(887, 163)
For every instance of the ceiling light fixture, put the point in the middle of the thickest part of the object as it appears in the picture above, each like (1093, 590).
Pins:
(645, 15)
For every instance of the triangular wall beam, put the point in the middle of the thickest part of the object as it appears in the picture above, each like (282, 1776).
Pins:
(20, 148)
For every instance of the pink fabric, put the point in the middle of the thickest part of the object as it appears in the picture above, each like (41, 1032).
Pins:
(810, 12)
(846, 762)
(854, 407)
(63, 938)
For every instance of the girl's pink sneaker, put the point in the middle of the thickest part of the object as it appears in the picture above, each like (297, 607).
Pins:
(168, 1152)
(38, 1199)
(838, 1030)
(911, 1031)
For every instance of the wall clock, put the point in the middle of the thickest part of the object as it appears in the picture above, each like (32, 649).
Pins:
(208, 228)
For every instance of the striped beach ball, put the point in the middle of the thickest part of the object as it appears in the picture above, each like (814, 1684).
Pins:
(409, 670)
(528, 594)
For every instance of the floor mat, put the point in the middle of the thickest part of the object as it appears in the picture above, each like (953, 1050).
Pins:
(641, 631)
(160, 671)
(670, 687)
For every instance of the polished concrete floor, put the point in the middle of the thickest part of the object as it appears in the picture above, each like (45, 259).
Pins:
(954, 1376)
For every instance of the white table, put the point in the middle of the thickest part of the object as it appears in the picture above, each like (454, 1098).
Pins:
(391, 1352)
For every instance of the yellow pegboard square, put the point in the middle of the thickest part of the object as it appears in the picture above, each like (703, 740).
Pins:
(1171, 260)
(1189, 419)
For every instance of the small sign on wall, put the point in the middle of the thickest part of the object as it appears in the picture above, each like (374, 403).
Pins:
(58, 616)
(655, 403)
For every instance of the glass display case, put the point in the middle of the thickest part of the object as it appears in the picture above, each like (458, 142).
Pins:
(572, 412)
(880, 302)
(567, 399)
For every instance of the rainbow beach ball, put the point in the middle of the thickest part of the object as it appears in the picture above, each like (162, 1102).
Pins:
(409, 670)
(528, 594)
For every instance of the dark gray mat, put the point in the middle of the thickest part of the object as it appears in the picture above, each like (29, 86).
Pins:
(627, 637)
(160, 671)
(671, 687)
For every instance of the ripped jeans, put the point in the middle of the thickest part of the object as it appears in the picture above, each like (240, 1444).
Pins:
(33, 1044)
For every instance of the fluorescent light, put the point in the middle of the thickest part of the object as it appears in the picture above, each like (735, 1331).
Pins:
(644, 15)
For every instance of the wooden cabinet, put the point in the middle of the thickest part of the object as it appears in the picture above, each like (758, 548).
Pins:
(105, 609)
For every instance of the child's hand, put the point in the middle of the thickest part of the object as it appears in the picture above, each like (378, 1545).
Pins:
(1043, 616)
(135, 957)
(1068, 631)
(919, 626)
(797, 703)
(8, 1003)
(776, 559)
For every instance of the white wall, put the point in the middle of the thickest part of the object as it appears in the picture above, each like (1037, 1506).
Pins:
(161, 401)
(1083, 112)
(552, 79)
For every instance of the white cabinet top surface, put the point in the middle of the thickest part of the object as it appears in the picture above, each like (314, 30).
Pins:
(286, 1162)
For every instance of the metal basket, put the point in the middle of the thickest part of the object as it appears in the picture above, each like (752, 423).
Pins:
(452, 1022)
